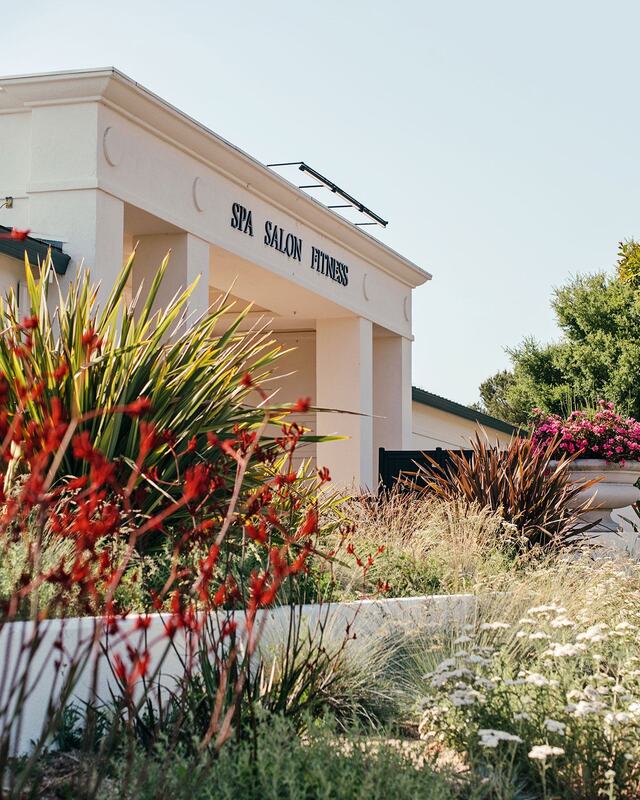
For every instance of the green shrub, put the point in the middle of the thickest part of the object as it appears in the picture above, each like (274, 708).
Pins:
(277, 765)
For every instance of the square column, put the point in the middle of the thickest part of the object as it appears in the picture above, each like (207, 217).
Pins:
(90, 223)
(392, 424)
(344, 362)
(189, 259)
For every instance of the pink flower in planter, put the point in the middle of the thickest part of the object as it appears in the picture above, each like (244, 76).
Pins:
(594, 434)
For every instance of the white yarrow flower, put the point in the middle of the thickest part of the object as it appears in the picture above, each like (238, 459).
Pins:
(547, 609)
(540, 752)
(485, 683)
(465, 697)
(474, 658)
(596, 633)
(536, 679)
(491, 738)
(583, 707)
(568, 650)
(617, 718)
(555, 726)
(562, 622)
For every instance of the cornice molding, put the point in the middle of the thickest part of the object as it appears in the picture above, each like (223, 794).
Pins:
(120, 93)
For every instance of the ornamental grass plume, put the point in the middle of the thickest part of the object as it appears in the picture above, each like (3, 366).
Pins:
(423, 545)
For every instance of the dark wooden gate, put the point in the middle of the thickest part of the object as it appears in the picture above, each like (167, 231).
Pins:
(397, 464)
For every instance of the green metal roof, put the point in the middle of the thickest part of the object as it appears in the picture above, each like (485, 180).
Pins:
(442, 404)
(36, 250)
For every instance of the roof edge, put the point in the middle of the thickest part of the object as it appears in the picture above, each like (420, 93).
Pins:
(251, 171)
(36, 250)
(451, 407)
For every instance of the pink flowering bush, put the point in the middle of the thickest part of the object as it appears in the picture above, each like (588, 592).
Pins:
(591, 434)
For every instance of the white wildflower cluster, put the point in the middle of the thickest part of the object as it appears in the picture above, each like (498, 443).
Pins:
(536, 679)
(541, 752)
(566, 650)
(492, 738)
(533, 636)
(562, 622)
(494, 626)
(558, 680)
(594, 634)
(555, 726)
(546, 611)
(585, 707)
(623, 627)
(466, 696)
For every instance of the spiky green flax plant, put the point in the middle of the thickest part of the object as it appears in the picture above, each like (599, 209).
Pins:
(89, 358)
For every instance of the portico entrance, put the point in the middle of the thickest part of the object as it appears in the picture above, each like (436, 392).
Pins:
(98, 163)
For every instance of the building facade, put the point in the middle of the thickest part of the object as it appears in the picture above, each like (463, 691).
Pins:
(438, 422)
(96, 163)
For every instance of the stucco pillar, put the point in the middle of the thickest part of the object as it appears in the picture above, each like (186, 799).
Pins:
(65, 203)
(344, 361)
(189, 260)
(392, 423)
(90, 223)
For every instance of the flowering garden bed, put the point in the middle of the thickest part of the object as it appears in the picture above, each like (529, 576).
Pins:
(166, 578)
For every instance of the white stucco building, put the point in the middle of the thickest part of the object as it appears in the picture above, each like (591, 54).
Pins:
(96, 163)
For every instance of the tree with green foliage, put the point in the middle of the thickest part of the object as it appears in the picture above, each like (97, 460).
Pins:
(597, 356)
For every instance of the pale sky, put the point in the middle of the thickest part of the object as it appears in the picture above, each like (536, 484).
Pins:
(500, 138)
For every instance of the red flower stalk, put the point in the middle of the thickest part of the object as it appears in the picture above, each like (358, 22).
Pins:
(310, 524)
(15, 234)
(29, 323)
(61, 371)
(119, 668)
(147, 439)
(91, 340)
(196, 482)
(258, 534)
(285, 480)
(140, 667)
(192, 444)
(138, 407)
(82, 446)
(228, 628)
(302, 405)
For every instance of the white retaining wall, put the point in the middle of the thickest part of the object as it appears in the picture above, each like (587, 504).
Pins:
(51, 663)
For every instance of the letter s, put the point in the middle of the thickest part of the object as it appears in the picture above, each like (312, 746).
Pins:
(235, 215)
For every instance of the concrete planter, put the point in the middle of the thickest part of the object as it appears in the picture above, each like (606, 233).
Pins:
(611, 515)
